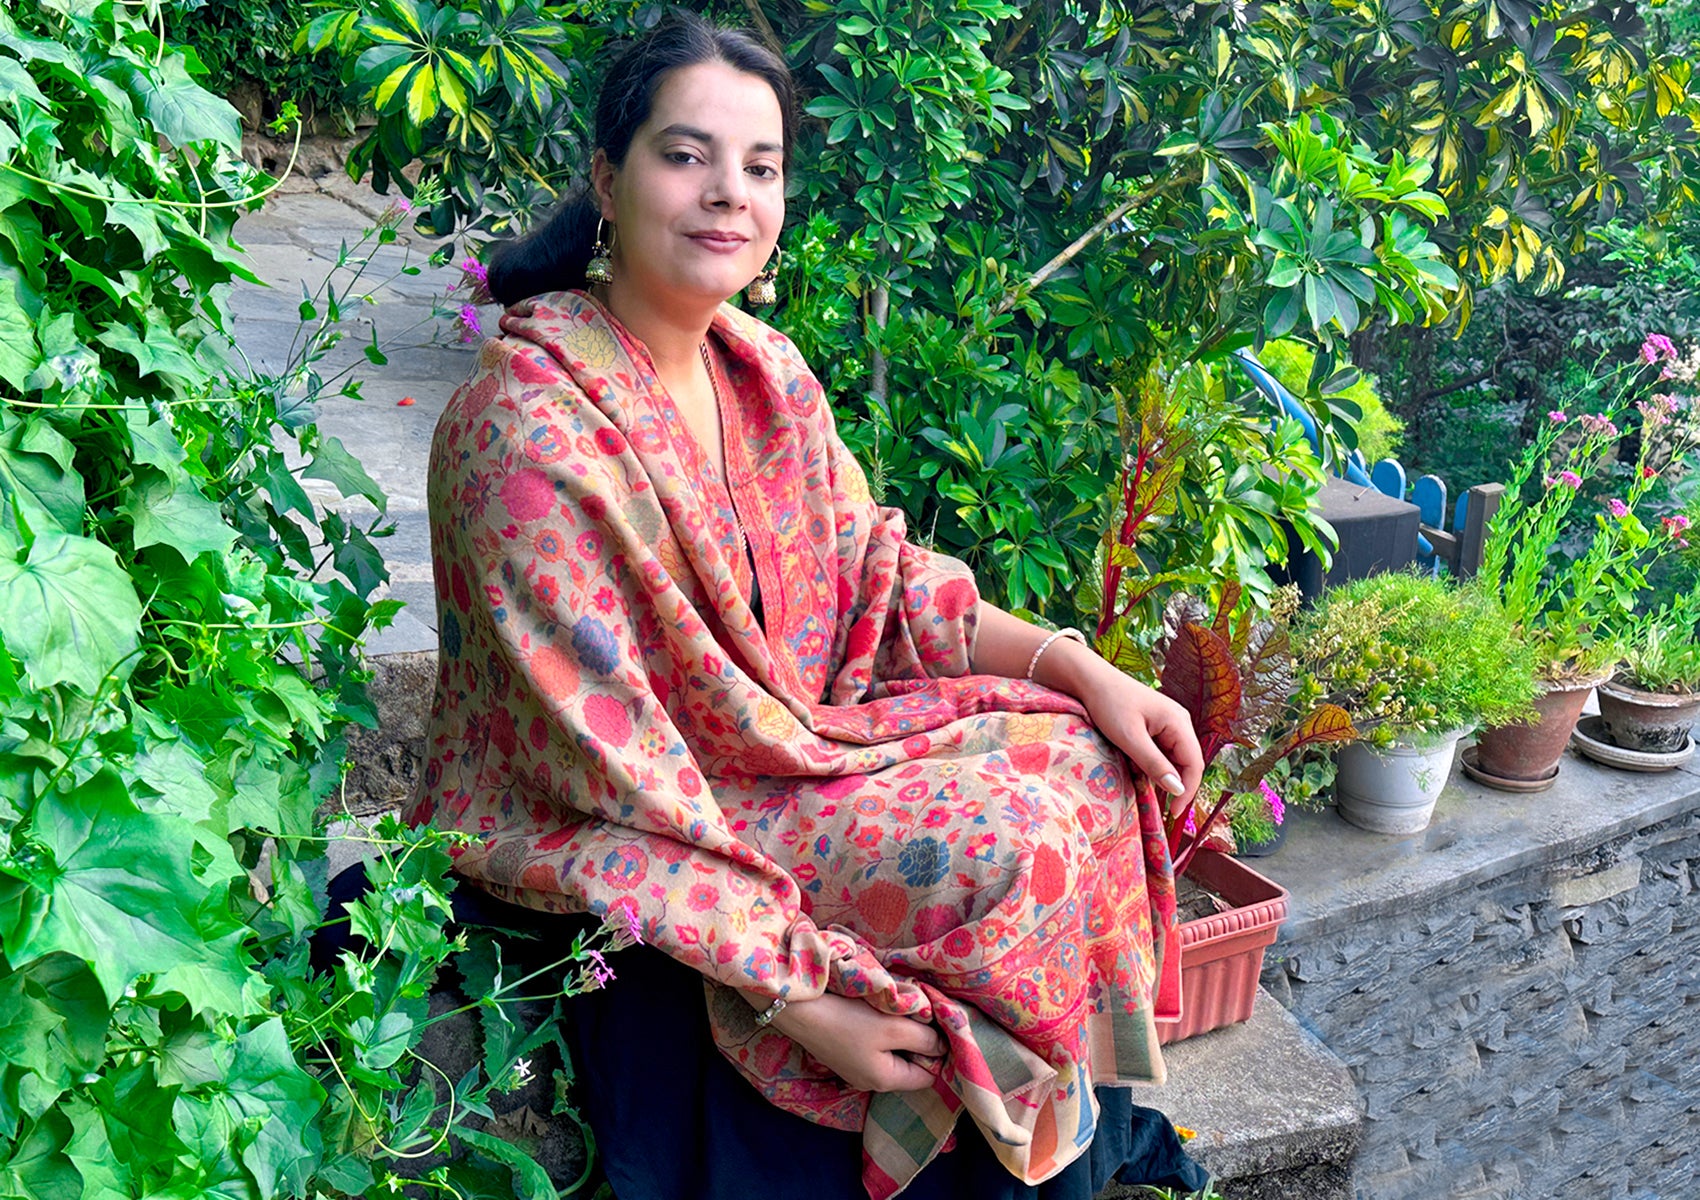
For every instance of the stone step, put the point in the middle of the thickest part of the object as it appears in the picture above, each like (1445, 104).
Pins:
(1275, 1110)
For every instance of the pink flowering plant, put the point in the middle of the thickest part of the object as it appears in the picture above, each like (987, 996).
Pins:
(1563, 603)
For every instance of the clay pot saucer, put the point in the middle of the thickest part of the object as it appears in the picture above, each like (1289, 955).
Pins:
(1591, 739)
(1468, 759)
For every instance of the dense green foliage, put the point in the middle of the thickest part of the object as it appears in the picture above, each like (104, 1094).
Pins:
(249, 46)
(179, 652)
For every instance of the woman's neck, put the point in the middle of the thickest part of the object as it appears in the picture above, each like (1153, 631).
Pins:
(672, 335)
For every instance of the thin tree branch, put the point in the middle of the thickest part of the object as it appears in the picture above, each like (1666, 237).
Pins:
(1080, 243)
(761, 21)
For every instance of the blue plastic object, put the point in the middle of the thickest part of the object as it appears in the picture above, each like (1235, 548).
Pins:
(1265, 382)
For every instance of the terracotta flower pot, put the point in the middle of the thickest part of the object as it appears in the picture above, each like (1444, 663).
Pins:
(1222, 954)
(1530, 753)
(1654, 722)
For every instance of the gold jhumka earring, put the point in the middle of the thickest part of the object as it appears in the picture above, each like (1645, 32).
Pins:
(599, 269)
(761, 289)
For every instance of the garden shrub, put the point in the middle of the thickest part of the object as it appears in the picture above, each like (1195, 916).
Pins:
(179, 653)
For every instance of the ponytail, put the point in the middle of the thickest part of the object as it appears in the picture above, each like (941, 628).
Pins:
(550, 258)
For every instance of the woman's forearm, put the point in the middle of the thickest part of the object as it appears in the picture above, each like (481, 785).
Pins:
(1004, 645)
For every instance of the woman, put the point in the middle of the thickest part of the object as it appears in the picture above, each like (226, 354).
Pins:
(691, 671)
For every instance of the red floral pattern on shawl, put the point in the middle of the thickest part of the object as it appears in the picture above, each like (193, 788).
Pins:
(830, 804)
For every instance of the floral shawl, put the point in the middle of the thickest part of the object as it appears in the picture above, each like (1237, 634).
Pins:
(829, 803)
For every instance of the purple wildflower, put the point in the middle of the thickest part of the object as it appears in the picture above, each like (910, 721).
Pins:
(1675, 525)
(1653, 412)
(1570, 479)
(1657, 347)
(1557, 417)
(467, 325)
(476, 276)
(1277, 809)
(1595, 423)
(1618, 507)
(601, 973)
(1191, 826)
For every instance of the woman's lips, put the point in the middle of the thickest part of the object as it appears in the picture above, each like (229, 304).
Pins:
(719, 243)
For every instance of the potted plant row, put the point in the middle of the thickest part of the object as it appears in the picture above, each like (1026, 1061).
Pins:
(1419, 662)
(1565, 611)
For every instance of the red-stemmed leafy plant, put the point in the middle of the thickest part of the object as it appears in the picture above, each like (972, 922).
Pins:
(1235, 677)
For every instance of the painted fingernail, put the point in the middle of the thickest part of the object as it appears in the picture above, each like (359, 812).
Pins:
(1172, 784)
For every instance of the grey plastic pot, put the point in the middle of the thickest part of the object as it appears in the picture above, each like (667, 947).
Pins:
(1393, 790)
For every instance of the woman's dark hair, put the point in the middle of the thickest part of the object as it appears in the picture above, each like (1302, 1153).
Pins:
(554, 254)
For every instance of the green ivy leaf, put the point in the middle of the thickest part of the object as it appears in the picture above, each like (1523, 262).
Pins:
(178, 775)
(39, 1169)
(116, 890)
(104, 1175)
(19, 355)
(158, 352)
(36, 475)
(267, 1087)
(71, 613)
(180, 109)
(336, 466)
(169, 509)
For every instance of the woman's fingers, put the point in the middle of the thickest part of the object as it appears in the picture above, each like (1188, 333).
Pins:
(1180, 743)
(909, 1034)
(901, 1075)
(1145, 755)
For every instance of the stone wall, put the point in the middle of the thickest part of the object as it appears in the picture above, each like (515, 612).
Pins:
(1531, 1034)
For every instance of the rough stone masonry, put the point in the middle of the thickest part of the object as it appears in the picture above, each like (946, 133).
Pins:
(1533, 1035)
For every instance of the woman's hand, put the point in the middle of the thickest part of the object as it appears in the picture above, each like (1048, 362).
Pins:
(1154, 731)
(864, 1047)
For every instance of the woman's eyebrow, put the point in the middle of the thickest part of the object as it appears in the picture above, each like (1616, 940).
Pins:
(679, 129)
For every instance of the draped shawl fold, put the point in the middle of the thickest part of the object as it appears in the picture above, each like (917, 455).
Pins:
(829, 803)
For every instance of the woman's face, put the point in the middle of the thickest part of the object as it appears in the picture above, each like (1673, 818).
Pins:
(699, 202)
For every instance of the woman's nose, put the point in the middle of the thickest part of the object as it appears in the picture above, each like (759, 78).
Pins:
(727, 188)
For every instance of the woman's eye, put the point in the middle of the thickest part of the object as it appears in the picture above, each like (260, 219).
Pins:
(681, 156)
(764, 171)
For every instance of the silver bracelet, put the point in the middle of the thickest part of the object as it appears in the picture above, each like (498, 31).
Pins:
(772, 1011)
(1045, 645)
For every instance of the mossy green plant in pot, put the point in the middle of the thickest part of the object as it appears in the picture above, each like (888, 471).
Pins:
(1419, 662)
(1653, 701)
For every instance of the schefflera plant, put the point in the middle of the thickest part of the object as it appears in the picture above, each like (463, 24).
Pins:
(1235, 676)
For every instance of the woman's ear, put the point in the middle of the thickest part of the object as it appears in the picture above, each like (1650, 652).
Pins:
(602, 181)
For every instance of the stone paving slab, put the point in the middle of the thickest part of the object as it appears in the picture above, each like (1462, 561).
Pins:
(294, 240)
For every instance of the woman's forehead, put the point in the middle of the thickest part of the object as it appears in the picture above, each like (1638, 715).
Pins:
(717, 102)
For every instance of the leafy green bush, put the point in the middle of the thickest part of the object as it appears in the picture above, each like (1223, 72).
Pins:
(252, 42)
(179, 653)
(1410, 655)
